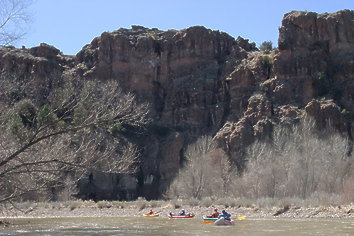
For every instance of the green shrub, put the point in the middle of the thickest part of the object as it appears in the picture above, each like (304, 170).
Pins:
(265, 61)
(266, 46)
(118, 127)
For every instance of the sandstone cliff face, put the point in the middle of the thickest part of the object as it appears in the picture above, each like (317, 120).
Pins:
(317, 50)
(310, 73)
(202, 81)
(179, 72)
(31, 73)
(316, 56)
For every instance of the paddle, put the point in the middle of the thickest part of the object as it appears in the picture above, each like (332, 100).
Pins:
(241, 218)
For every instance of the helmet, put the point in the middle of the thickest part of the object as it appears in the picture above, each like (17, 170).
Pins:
(182, 209)
(216, 209)
(223, 211)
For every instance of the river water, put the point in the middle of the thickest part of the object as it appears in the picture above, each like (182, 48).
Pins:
(165, 226)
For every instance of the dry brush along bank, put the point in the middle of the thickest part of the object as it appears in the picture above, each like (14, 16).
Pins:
(138, 208)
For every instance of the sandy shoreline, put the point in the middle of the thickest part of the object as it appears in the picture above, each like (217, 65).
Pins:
(113, 209)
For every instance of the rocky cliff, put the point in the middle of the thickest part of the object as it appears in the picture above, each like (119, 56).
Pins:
(201, 81)
(311, 72)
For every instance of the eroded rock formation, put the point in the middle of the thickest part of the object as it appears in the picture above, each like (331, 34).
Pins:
(311, 72)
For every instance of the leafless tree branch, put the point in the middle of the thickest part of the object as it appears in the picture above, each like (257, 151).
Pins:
(13, 17)
(71, 134)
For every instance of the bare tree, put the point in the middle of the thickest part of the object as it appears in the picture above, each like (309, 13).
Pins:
(207, 171)
(13, 19)
(75, 132)
(299, 162)
(191, 179)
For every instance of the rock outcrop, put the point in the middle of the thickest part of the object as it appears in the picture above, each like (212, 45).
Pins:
(181, 73)
(310, 73)
(31, 73)
(200, 81)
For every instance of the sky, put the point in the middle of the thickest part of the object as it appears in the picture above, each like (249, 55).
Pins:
(71, 24)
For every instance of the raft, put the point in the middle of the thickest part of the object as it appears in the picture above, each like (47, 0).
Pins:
(151, 215)
(209, 220)
(223, 221)
(191, 215)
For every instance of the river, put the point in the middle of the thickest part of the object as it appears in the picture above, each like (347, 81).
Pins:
(164, 226)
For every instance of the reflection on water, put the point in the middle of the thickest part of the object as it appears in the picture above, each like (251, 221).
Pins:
(165, 226)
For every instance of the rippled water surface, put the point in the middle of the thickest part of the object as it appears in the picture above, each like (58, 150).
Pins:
(165, 226)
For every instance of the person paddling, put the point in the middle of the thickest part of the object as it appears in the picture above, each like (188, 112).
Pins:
(215, 214)
(225, 215)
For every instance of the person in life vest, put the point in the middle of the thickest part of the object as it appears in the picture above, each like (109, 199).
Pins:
(215, 214)
(225, 215)
(151, 212)
(182, 213)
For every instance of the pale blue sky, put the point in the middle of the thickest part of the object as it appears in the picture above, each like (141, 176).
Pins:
(70, 24)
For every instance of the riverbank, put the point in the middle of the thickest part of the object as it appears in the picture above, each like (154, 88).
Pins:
(138, 208)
